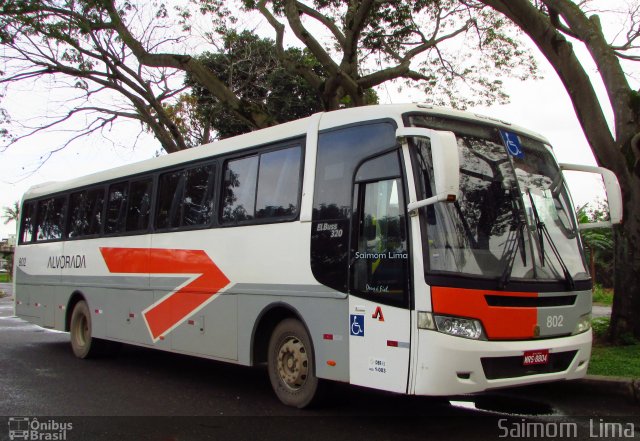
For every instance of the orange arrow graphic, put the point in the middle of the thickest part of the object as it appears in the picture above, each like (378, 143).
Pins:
(171, 310)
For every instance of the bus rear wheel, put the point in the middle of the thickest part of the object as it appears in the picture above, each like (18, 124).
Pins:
(291, 364)
(83, 344)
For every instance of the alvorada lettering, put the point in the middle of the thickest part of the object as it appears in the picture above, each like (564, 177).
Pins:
(62, 262)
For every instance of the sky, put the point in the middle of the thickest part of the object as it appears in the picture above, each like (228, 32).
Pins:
(540, 105)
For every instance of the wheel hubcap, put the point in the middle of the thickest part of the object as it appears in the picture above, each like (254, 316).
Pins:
(293, 363)
(82, 330)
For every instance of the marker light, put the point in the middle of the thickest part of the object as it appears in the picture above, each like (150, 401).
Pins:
(425, 320)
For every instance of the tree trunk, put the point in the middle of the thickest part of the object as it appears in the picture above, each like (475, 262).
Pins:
(625, 313)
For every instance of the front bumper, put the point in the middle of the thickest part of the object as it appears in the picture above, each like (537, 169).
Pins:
(447, 365)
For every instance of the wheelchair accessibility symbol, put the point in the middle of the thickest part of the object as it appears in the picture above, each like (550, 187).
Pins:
(356, 323)
(512, 142)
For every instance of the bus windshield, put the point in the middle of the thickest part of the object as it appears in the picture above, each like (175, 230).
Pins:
(513, 219)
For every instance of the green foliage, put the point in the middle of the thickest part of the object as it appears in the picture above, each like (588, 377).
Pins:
(602, 296)
(598, 242)
(601, 330)
(600, 327)
(455, 52)
(250, 66)
(5, 278)
(11, 214)
(628, 339)
(618, 361)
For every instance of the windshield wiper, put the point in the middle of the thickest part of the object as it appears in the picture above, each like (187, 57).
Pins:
(512, 252)
(514, 246)
(543, 233)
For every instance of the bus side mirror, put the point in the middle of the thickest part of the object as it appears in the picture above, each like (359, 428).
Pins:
(446, 164)
(612, 188)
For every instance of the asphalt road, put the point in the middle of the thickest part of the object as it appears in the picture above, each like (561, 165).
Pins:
(7, 288)
(151, 395)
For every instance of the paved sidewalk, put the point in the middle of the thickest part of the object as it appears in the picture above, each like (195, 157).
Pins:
(7, 288)
(600, 384)
(600, 311)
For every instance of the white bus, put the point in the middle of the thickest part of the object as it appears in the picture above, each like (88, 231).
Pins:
(406, 248)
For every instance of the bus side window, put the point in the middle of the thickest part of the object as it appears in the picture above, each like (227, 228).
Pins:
(116, 203)
(26, 229)
(50, 218)
(278, 183)
(77, 220)
(197, 202)
(265, 187)
(139, 205)
(93, 211)
(85, 213)
(170, 187)
(340, 152)
(239, 193)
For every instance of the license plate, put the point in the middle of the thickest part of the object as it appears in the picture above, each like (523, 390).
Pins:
(532, 358)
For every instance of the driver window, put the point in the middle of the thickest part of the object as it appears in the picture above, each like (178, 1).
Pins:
(380, 255)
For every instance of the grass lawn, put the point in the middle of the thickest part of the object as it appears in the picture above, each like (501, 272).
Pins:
(602, 296)
(613, 361)
(4, 278)
(617, 361)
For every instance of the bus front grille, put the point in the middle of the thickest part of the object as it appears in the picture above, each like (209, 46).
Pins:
(512, 367)
(529, 302)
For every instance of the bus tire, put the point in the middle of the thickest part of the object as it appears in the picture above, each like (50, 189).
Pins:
(291, 364)
(82, 342)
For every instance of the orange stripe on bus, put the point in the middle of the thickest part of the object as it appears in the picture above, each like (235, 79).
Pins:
(181, 304)
(499, 322)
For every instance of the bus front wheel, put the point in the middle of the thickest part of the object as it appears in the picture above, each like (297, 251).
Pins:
(291, 364)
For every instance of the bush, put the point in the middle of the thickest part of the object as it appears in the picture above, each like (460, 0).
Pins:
(602, 295)
(600, 326)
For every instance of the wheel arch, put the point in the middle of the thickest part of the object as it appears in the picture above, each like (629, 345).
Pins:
(266, 322)
(76, 297)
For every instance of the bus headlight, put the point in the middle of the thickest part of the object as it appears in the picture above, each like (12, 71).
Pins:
(460, 327)
(584, 324)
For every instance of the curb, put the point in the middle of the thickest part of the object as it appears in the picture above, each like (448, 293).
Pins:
(623, 386)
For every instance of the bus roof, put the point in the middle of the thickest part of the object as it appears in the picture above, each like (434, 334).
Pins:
(280, 132)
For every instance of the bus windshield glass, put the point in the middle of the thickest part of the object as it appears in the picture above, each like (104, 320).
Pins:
(513, 219)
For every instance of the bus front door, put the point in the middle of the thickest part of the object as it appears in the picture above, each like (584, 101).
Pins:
(379, 315)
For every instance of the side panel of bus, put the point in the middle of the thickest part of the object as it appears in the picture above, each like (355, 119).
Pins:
(35, 300)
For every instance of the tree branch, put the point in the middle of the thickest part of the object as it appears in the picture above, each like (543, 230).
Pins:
(249, 112)
(576, 81)
(326, 21)
(589, 31)
(294, 68)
